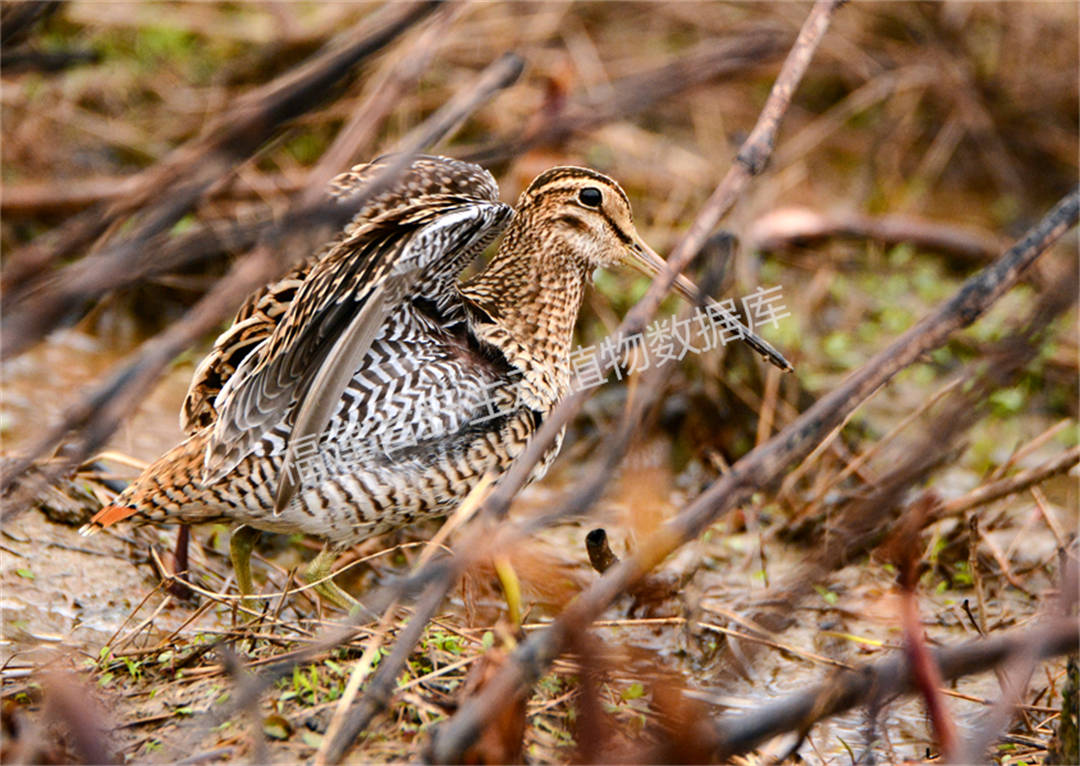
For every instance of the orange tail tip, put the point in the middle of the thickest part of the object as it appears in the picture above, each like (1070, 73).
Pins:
(106, 517)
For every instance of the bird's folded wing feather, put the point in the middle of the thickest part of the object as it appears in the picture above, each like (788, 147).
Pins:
(253, 324)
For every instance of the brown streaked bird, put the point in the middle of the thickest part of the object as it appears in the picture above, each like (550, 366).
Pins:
(374, 354)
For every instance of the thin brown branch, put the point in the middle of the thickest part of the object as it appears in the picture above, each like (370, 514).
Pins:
(782, 228)
(734, 735)
(1018, 482)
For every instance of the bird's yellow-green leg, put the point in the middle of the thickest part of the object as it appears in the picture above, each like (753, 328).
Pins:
(319, 569)
(511, 586)
(240, 546)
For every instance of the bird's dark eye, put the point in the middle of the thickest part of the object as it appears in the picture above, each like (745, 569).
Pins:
(590, 196)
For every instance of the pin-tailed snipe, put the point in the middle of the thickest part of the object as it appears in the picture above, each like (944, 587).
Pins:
(374, 338)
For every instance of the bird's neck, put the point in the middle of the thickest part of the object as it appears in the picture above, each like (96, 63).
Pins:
(532, 289)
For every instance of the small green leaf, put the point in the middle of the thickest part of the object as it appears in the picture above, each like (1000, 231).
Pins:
(312, 739)
(1008, 401)
(633, 691)
(829, 597)
(488, 639)
(25, 573)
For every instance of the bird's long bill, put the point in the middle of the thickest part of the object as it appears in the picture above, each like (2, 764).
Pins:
(648, 261)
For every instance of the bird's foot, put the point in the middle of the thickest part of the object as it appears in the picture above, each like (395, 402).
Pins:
(241, 544)
(319, 573)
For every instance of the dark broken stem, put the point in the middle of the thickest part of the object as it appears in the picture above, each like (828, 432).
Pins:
(100, 412)
(734, 735)
(758, 469)
(601, 556)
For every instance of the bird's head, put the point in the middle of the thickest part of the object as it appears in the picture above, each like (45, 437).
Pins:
(587, 216)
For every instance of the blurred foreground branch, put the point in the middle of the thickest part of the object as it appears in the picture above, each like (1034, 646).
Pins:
(757, 470)
(39, 299)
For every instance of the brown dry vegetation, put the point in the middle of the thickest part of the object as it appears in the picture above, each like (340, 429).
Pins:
(923, 140)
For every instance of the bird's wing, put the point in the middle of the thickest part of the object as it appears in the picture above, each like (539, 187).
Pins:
(444, 214)
(253, 324)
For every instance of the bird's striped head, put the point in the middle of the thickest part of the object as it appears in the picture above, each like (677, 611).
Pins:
(583, 210)
(587, 215)
(590, 213)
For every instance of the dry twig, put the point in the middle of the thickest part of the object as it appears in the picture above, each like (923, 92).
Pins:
(734, 735)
